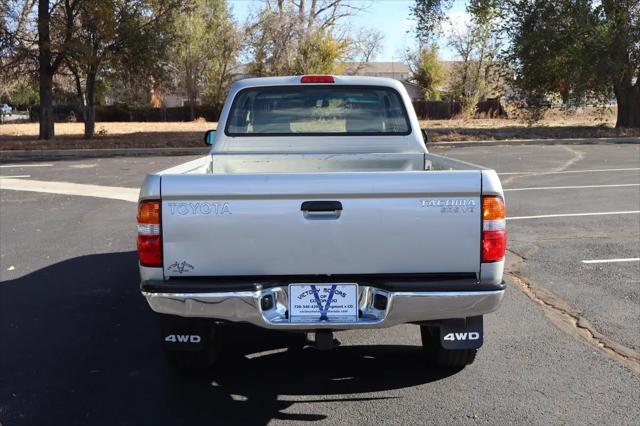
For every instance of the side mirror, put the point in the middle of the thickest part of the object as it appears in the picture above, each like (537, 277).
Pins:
(425, 135)
(209, 137)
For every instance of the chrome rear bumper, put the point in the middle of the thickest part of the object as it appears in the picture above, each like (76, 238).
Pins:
(401, 307)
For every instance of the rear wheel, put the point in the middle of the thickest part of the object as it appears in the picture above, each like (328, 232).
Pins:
(190, 343)
(441, 356)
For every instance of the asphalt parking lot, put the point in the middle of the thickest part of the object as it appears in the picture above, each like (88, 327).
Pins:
(78, 345)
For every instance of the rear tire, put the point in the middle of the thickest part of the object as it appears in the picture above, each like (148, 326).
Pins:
(441, 356)
(186, 359)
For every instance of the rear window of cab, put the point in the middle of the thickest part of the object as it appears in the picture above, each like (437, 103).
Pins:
(317, 110)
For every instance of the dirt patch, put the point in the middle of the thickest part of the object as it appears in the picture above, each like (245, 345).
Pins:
(108, 135)
(190, 134)
(557, 124)
(484, 129)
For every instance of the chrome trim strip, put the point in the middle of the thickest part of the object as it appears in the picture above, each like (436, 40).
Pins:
(402, 307)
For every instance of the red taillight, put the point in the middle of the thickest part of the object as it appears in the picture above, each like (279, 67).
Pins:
(149, 236)
(150, 250)
(317, 79)
(494, 234)
(494, 245)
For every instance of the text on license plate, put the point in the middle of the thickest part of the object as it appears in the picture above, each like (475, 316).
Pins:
(323, 302)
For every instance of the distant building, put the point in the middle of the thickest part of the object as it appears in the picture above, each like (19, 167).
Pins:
(397, 70)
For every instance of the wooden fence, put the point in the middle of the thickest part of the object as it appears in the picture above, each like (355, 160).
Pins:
(425, 110)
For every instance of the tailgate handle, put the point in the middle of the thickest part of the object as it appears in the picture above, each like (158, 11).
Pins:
(321, 210)
(321, 206)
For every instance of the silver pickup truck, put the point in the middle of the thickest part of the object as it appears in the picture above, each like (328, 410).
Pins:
(320, 209)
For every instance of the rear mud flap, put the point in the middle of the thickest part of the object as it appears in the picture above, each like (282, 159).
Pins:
(462, 334)
(185, 334)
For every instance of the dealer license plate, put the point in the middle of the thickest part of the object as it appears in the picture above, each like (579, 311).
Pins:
(323, 302)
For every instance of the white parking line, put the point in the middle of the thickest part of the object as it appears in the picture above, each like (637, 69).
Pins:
(569, 171)
(15, 176)
(570, 187)
(67, 188)
(544, 216)
(631, 259)
(6, 166)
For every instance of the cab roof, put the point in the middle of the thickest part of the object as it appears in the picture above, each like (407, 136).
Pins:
(343, 80)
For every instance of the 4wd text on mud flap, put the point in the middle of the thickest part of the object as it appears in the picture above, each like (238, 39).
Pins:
(183, 338)
(474, 335)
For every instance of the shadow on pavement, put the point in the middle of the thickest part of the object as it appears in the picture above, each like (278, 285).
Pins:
(78, 344)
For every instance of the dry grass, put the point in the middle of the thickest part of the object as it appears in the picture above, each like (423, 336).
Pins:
(560, 124)
(107, 129)
(554, 117)
(107, 135)
(557, 124)
(497, 123)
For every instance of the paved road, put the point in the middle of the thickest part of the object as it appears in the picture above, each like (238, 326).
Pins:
(607, 294)
(78, 345)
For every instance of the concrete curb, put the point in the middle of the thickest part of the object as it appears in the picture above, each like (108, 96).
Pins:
(507, 142)
(61, 154)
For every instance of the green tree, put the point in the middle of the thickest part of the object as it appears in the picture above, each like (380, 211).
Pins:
(108, 34)
(24, 92)
(51, 54)
(427, 71)
(296, 37)
(320, 53)
(579, 50)
(205, 50)
(429, 15)
(35, 43)
(218, 74)
(476, 74)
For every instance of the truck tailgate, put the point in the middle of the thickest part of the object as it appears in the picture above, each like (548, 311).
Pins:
(254, 224)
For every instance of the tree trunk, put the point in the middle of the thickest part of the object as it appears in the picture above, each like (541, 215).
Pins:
(192, 109)
(628, 99)
(218, 95)
(90, 110)
(79, 94)
(312, 14)
(301, 7)
(190, 86)
(46, 107)
(46, 73)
